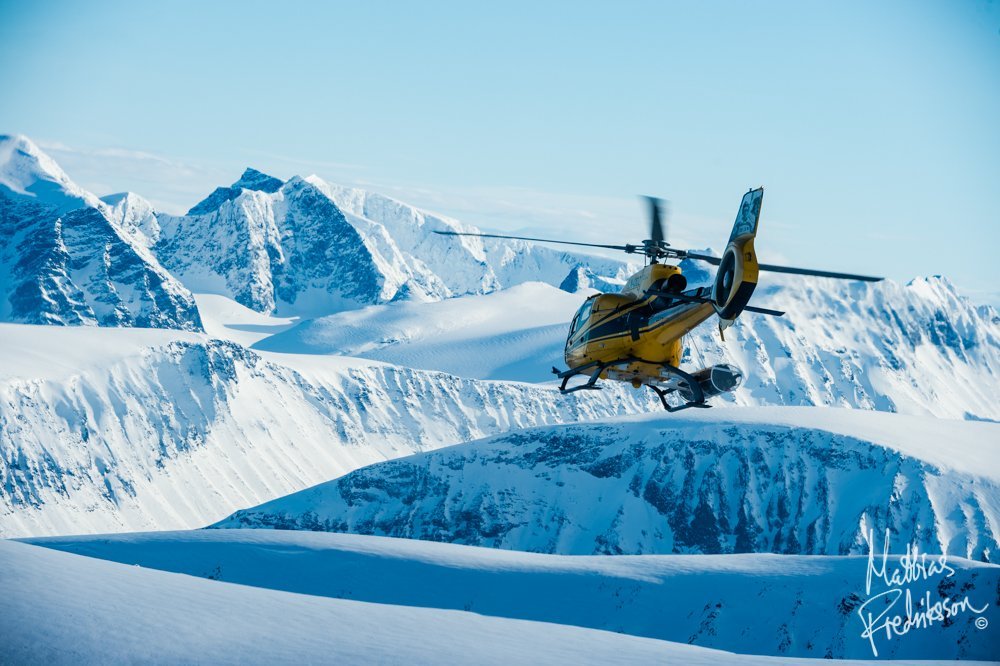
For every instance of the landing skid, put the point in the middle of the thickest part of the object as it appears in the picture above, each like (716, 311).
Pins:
(595, 368)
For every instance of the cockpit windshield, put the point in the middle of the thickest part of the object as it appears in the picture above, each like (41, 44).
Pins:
(582, 315)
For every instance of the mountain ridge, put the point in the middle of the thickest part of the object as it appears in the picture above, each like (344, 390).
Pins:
(781, 480)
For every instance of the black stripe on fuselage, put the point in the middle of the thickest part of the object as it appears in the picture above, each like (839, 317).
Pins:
(616, 324)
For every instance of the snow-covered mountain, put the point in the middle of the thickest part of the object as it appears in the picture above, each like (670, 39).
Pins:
(110, 430)
(305, 247)
(919, 348)
(792, 606)
(781, 480)
(28, 173)
(65, 260)
(288, 249)
(470, 265)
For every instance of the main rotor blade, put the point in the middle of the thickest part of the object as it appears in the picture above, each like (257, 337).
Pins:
(810, 271)
(704, 257)
(656, 232)
(789, 269)
(624, 248)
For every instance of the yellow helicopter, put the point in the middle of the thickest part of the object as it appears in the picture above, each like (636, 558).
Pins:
(636, 335)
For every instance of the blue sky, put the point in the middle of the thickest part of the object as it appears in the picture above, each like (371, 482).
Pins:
(873, 125)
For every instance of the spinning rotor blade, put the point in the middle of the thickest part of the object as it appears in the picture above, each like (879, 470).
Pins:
(656, 231)
(704, 257)
(624, 248)
(789, 269)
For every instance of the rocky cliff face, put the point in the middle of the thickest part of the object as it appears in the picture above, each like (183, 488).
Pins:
(678, 485)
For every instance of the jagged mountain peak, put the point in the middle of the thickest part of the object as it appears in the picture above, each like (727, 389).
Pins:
(27, 171)
(252, 179)
(291, 249)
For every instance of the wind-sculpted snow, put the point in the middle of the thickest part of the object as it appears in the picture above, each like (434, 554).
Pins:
(183, 434)
(60, 608)
(814, 481)
(791, 606)
(65, 260)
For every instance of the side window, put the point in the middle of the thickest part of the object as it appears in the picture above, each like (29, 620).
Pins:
(579, 321)
(582, 316)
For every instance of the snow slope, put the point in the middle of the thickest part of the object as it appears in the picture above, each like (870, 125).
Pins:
(919, 348)
(760, 604)
(782, 480)
(59, 608)
(512, 334)
(27, 172)
(107, 430)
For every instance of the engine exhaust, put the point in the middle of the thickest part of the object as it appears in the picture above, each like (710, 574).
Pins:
(713, 380)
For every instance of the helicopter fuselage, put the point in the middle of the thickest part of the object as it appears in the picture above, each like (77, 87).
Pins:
(646, 328)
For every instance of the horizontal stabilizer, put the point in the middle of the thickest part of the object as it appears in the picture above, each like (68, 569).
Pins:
(773, 313)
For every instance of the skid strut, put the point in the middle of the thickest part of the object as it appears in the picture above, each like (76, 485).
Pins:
(595, 368)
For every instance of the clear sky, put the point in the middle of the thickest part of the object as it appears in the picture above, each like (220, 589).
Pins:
(874, 126)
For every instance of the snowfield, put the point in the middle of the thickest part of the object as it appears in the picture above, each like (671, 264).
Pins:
(355, 598)
(515, 334)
